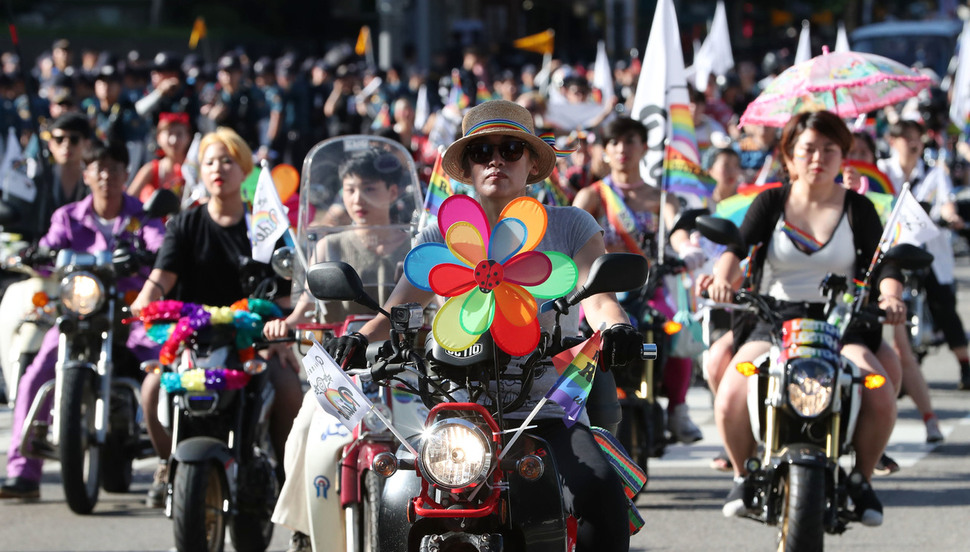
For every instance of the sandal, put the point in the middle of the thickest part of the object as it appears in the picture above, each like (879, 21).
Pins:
(721, 462)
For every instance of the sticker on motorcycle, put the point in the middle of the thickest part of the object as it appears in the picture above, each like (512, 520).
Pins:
(334, 430)
(335, 391)
(322, 485)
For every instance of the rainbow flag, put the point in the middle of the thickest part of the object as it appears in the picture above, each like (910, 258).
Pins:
(549, 192)
(577, 367)
(482, 93)
(457, 96)
(683, 176)
(439, 188)
(682, 135)
(383, 118)
(878, 181)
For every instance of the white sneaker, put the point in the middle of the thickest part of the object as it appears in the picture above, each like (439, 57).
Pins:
(681, 427)
(933, 433)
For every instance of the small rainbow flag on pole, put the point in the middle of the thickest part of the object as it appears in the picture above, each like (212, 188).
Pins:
(439, 188)
(482, 93)
(682, 134)
(683, 176)
(577, 367)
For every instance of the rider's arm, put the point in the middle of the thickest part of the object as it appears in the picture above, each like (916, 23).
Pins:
(601, 308)
(59, 234)
(158, 284)
(143, 175)
(727, 278)
(380, 327)
(588, 200)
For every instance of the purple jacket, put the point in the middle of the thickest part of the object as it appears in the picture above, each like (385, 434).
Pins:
(74, 226)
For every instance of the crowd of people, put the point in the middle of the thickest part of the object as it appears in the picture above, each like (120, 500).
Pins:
(110, 124)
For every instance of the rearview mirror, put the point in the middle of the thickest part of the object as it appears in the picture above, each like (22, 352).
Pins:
(338, 281)
(162, 203)
(908, 256)
(687, 220)
(721, 231)
(612, 272)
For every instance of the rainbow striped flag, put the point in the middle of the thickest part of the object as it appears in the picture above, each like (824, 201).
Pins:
(633, 477)
(457, 96)
(439, 188)
(683, 176)
(878, 181)
(482, 93)
(577, 367)
(682, 135)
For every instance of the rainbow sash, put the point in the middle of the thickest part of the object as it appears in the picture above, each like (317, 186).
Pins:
(619, 214)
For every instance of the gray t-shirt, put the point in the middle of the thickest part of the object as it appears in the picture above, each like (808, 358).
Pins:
(568, 230)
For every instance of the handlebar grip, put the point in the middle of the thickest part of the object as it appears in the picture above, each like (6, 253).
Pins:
(648, 351)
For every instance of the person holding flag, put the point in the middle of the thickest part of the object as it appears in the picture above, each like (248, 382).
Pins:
(499, 154)
(808, 228)
(215, 254)
(932, 185)
(629, 210)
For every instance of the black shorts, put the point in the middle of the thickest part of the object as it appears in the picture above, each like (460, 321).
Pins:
(749, 327)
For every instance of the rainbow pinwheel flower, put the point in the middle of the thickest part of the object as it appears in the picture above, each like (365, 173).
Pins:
(492, 275)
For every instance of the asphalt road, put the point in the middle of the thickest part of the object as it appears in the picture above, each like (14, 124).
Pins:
(927, 503)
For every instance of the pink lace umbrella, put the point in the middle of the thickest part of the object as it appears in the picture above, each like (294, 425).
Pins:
(845, 83)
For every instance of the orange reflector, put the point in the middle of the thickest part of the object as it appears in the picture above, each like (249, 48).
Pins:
(40, 299)
(747, 368)
(130, 296)
(671, 327)
(874, 381)
(620, 394)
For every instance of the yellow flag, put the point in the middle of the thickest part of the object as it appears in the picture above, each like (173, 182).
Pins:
(541, 43)
(363, 41)
(198, 32)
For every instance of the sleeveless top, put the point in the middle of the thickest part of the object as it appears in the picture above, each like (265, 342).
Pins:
(173, 181)
(791, 274)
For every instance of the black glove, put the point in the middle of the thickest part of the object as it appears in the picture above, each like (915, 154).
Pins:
(352, 346)
(621, 345)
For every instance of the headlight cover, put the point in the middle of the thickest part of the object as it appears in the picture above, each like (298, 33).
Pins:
(810, 386)
(82, 293)
(455, 453)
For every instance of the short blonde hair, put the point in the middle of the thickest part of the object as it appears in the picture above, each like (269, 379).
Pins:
(234, 144)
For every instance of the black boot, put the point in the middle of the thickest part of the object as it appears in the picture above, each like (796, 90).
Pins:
(964, 383)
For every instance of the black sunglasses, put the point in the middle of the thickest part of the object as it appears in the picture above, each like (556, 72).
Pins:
(482, 152)
(73, 138)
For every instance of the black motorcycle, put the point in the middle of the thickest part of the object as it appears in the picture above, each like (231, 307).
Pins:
(94, 431)
(468, 488)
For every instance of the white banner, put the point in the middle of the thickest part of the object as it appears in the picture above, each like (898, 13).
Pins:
(337, 394)
(269, 221)
(13, 171)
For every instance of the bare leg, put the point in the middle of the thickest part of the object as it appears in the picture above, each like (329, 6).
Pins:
(877, 415)
(731, 411)
(913, 381)
(717, 359)
(161, 440)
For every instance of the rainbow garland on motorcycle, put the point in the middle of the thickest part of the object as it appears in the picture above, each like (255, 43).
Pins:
(171, 323)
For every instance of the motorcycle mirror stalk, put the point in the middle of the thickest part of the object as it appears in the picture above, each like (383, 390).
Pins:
(338, 281)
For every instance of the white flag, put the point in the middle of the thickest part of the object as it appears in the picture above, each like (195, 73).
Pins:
(908, 223)
(422, 108)
(336, 392)
(842, 39)
(603, 73)
(804, 51)
(661, 102)
(715, 55)
(960, 106)
(269, 221)
(193, 190)
(13, 171)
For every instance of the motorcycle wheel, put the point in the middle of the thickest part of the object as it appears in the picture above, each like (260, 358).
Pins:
(199, 494)
(80, 454)
(373, 487)
(251, 529)
(116, 462)
(802, 510)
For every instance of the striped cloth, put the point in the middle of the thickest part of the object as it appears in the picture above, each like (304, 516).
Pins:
(630, 473)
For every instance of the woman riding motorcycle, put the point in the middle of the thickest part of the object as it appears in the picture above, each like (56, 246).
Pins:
(500, 155)
(808, 228)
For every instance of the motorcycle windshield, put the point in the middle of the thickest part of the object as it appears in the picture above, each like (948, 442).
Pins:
(359, 200)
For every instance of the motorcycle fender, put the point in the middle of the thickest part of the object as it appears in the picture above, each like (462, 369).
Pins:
(351, 491)
(395, 502)
(755, 401)
(203, 449)
(537, 506)
(803, 455)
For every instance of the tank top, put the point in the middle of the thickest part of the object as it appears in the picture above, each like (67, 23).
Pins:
(173, 181)
(791, 274)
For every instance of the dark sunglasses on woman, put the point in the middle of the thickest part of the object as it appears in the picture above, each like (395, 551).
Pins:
(482, 152)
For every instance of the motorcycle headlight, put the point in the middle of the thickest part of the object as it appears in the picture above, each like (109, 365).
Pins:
(810, 386)
(82, 293)
(455, 453)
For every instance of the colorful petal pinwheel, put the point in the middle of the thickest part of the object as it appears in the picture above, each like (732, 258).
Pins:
(491, 275)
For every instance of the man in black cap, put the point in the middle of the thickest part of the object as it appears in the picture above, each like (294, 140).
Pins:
(232, 102)
(114, 118)
(168, 92)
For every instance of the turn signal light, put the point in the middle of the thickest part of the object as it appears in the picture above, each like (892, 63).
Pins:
(874, 381)
(384, 464)
(530, 467)
(151, 367)
(130, 296)
(40, 299)
(747, 368)
(620, 393)
(671, 327)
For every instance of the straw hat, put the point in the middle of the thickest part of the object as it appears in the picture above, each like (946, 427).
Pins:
(505, 118)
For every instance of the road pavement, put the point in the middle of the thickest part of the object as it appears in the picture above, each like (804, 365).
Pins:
(927, 503)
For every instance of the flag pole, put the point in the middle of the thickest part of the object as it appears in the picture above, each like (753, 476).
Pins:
(662, 223)
(887, 229)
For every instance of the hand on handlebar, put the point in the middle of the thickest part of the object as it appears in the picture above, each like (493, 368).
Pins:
(895, 309)
(352, 346)
(720, 290)
(276, 329)
(622, 344)
(693, 257)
